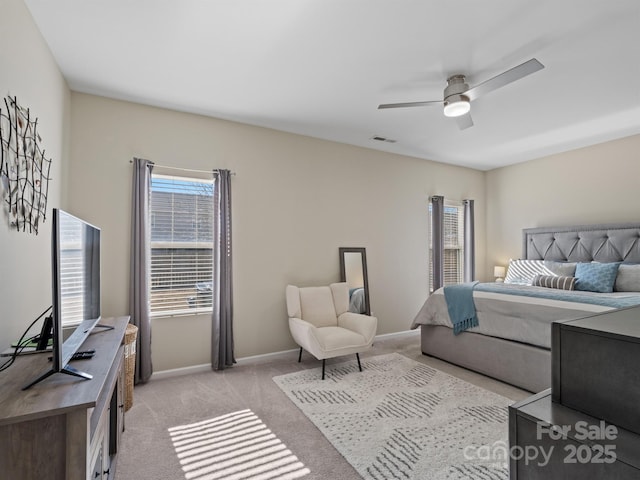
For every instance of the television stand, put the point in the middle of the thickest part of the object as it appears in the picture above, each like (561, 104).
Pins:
(102, 325)
(70, 346)
(72, 429)
(69, 370)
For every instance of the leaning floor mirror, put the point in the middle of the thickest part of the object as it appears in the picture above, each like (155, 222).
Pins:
(353, 270)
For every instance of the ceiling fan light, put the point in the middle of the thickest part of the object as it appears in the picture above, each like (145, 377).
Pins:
(456, 106)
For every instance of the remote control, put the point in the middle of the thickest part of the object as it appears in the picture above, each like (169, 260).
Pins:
(83, 355)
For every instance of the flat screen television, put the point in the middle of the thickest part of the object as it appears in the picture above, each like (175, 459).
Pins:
(75, 269)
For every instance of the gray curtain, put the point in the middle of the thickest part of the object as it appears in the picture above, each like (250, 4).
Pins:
(469, 242)
(222, 316)
(140, 267)
(437, 240)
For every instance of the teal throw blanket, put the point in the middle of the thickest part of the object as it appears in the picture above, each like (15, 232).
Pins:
(462, 310)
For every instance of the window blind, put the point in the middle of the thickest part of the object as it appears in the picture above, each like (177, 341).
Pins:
(181, 245)
(453, 245)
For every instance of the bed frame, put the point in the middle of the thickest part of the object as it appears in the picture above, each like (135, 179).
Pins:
(520, 364)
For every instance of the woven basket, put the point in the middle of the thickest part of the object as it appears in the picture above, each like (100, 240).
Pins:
(130, 336)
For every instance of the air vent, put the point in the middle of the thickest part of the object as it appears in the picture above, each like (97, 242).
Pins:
(382, 139)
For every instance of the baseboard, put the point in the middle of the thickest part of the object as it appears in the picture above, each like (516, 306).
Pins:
(205, 367)
(239, 361)
(264, 356)
(175, 372)
(273, 354)
(398, 334)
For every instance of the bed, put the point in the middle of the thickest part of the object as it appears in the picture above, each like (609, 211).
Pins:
(513, 338)
(357, 302)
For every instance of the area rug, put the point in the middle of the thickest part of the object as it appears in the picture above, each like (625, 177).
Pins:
(401, 419)
(236, 446)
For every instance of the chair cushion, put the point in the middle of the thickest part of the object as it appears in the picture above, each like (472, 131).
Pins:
(365, 325)
(340, 293)
(293, 301)
(317, 306)
(335, 340)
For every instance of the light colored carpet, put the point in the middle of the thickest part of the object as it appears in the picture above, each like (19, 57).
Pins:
(401, 419)
(147, 451)
(235, 446)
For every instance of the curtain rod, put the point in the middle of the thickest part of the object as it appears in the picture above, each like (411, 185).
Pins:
(186, 169)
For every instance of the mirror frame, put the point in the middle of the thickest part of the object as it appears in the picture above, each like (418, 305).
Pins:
(343, 276)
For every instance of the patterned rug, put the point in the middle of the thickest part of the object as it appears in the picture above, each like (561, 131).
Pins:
(401, 419)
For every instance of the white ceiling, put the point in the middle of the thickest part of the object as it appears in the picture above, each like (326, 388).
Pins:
(321, 67)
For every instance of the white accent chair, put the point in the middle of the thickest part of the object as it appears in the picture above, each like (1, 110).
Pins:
(320, 322)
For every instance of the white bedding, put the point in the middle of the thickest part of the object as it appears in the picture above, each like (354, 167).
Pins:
(513, 317)
(357, 303)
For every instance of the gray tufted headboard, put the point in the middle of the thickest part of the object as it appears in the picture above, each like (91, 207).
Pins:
(584, 243)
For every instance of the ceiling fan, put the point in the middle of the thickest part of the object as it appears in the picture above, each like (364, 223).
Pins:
(458, 95)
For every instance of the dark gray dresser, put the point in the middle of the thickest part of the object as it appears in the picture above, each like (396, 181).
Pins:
(595, 364)
(587, 426)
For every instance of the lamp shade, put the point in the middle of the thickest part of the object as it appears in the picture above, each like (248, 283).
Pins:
(498, 271)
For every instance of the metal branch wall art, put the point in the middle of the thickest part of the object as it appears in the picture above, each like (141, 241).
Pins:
(24, 169)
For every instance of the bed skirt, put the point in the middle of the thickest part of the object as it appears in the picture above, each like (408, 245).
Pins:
(518, 364)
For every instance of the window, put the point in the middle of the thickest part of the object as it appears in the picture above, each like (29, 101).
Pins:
(453, 244)
(181, 245)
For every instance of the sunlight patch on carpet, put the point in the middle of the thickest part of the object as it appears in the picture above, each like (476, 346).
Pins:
(401, 419)
(236, 446)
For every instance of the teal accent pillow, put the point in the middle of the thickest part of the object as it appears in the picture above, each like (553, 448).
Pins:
(596, 277)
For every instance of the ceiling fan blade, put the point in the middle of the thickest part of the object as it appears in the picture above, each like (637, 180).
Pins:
(409, 104)
(516, 73)
(464, 121)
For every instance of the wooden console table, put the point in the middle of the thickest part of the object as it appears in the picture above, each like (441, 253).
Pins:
(64, 428)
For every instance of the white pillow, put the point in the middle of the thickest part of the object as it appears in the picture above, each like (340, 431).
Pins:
(628, 278)
(522, 272)
(561, 269)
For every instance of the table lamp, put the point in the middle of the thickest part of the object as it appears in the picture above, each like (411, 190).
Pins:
(498, 272)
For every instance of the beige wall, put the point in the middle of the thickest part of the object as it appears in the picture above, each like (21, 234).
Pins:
(598, 184)
(29, 72)
(295, 201)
